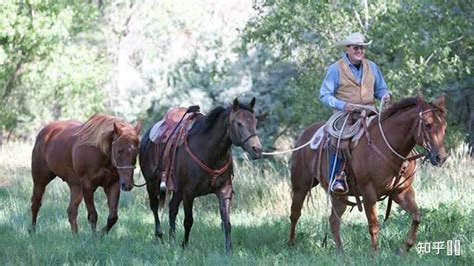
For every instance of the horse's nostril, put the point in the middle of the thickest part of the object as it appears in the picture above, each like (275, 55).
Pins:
(257, 150)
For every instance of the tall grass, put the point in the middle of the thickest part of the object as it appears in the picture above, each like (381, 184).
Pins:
(259, 217)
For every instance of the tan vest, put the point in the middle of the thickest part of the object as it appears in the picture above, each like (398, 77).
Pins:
(349, 90)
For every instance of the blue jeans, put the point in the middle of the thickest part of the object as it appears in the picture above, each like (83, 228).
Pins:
(334, 160)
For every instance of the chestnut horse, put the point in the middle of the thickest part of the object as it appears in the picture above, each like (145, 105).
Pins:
(406, 123)
(101, 152)
(203, 164)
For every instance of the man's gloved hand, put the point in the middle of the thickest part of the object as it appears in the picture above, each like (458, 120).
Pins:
(348, 107)
(386, 98)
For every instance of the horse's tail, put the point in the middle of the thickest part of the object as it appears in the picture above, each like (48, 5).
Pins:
(144, 143)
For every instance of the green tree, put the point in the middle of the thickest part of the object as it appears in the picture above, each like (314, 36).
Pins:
(419, 46)
(35, 36)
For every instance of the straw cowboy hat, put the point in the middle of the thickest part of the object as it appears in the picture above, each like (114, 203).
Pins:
(355, 38)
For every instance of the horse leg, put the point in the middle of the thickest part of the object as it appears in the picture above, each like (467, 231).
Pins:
(296, 205)
(113, 196)
(406, 200)
(337, 210)
(188, 218)
(174, 207)
(41, 178)
(152, 188)
(370, 208)
(88, 193)
(74, 201)
(225, 198)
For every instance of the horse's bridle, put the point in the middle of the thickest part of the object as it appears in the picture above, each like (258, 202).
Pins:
(241, 143)
(422, 134)
(114, 162)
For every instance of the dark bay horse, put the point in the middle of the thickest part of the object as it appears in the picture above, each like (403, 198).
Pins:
(100, 152)
(209, 142)
(406, 123)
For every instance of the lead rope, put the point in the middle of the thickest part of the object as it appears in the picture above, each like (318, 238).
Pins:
(287, 151)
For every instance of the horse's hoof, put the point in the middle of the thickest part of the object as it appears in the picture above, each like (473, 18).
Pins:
(104, 232)
(160, 238)
(172, 241)
(290, 243)
(399, 251)
(340, 252)
(32, 230)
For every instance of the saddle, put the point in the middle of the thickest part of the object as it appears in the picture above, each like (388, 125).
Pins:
(341, 134)
(169, 134)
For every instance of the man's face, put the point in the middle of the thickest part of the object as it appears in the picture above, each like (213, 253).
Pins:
(356, 53)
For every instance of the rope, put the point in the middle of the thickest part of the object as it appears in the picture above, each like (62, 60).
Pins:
(343, 132)
(286, 151)
(332, 129)
(383, 134)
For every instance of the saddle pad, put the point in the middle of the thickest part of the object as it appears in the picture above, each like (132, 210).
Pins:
(317, 138)
(155, 131)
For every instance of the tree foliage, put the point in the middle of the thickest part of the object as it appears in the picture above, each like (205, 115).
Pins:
(420, 46)
(135, 58)
(44, 65)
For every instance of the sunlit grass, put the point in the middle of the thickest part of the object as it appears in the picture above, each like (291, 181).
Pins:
(259, 216)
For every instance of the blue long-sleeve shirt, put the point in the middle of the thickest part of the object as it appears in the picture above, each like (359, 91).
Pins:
(331, 83)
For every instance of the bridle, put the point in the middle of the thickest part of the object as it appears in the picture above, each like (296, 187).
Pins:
(229, 125)
(418, 125)
(423, 134)
(215, 173)
(114, 162)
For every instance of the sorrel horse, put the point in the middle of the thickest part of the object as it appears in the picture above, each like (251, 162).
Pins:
(100, 152)
(406, 123)
(203, 164)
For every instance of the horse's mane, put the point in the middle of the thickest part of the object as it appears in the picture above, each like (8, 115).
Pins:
(407, 102)
(206, 122)
(97, 131)
(396, 106)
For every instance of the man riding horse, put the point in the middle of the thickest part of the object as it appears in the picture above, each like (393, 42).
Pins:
(351, 84)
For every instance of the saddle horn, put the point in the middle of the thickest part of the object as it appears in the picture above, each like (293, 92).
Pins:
(193, 109)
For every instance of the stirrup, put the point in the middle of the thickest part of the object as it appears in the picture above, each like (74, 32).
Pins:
(163, 185)
(341, 178)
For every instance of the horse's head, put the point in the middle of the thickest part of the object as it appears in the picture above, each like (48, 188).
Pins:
(124, 152)
(430, 129)
(243, 128)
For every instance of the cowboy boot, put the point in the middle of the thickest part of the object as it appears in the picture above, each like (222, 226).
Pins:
(339, 184)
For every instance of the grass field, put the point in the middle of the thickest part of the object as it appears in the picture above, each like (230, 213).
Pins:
(259, 216)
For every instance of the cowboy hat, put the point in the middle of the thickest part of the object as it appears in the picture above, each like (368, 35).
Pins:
(355, 38)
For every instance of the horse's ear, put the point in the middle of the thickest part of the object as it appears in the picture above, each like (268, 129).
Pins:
(440, 101)
(419, 98)
(252, 103)
(117, 129)
(235, 105)
(138, 127)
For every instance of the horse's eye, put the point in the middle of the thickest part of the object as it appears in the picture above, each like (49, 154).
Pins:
(239, 124)
(428, 126)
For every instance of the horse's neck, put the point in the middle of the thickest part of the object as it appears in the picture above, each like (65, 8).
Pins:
(214, 145)
(398, 129)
